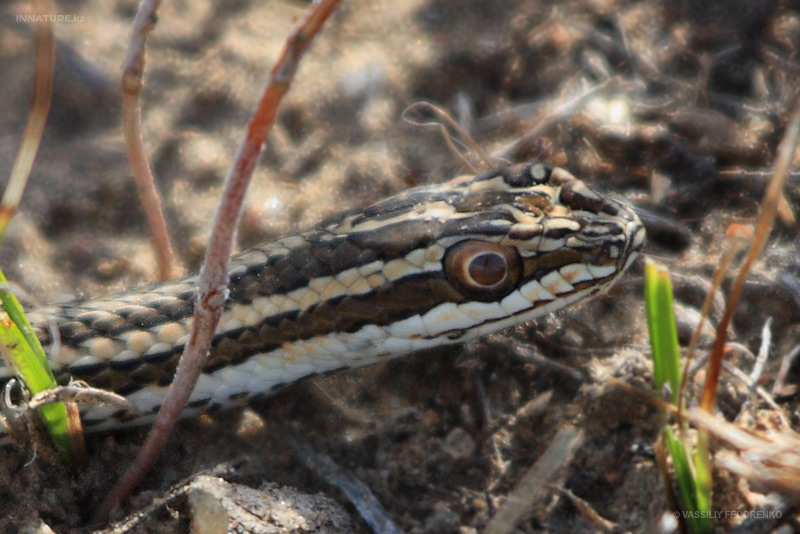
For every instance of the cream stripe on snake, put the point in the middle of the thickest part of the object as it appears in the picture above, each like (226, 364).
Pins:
(433, 265)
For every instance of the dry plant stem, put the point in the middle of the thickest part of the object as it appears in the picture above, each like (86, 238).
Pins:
(662, 462)
(769, 208)
(763, 354)
(444, 116)
(754, 174)
(783, 372)
(77, 443)
(213, 282)
(359, 495)
(132, 75)
(77, 392)
(559, 111)
(785, 211)
(524, 495)
(42, 91)
(587, 511)
(767, 458)
(765, 395)
(735, 238)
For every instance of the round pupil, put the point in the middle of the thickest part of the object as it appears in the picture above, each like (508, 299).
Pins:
(487, 269)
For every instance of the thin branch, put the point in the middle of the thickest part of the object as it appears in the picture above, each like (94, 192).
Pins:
(42, 92)
(367, 505)
(736, 238)
(132, 75)
(447, 119)
(213, 283)
(558, 111)
(522, 498)
(769, 208)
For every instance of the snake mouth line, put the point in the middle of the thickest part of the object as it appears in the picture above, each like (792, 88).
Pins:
(538, 309)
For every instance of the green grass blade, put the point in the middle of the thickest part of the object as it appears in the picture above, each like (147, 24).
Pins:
(702, 471)
(698, 517)
(692, 469)
(26, 356)
(663, 332)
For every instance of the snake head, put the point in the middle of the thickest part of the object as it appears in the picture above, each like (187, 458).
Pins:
(537, 233)
(480, 253)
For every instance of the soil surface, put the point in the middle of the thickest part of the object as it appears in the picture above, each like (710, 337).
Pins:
(676, 106)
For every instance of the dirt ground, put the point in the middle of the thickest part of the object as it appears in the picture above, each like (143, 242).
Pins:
(676, 106)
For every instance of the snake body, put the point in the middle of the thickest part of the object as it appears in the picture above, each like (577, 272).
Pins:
(433, 265)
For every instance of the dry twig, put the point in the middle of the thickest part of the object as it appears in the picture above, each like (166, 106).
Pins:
(524, 496)
(213, 281)
(132, 75)
(42, 92)
(769, 208)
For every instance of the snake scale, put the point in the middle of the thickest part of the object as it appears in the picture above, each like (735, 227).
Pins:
(430, 266)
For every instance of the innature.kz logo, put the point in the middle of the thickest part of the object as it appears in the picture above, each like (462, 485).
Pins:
(54, 19)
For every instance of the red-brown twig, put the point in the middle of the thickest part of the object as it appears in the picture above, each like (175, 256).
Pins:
(132, 75)
(736, 238)
(769, 208)
(214, 273)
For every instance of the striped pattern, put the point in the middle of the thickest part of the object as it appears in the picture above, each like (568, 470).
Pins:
(358, 288)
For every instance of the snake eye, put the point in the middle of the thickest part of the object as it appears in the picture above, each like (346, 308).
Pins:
(481, 270)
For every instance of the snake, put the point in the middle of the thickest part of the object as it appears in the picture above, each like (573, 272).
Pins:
(433, 265)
